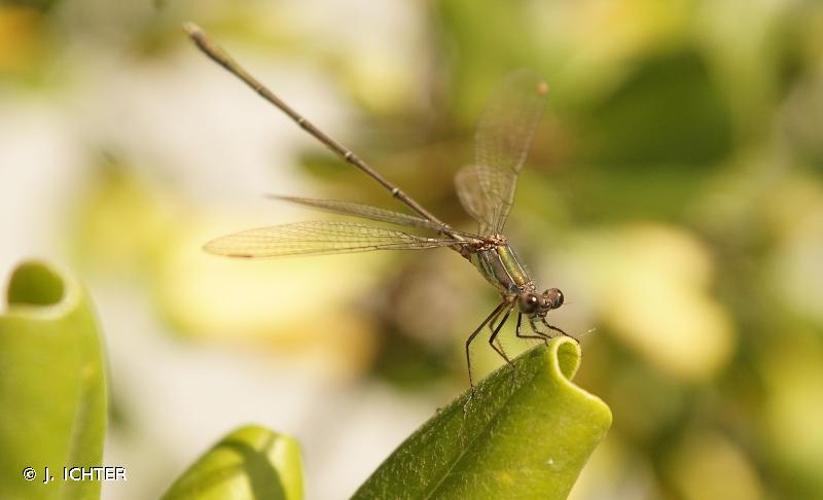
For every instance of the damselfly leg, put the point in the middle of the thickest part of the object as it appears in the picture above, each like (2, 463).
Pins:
(492, 328)
(518, 333)
(496, 330)
(535, 329)
(559, 330)
(477, 330)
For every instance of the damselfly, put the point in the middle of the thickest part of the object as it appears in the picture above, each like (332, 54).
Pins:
(485, 189)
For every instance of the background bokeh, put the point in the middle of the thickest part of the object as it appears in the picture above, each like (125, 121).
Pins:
(674, 192)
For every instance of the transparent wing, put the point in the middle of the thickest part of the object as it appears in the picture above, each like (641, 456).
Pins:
(502, 141)
(317, 238)
(361, 210)
(471, 182)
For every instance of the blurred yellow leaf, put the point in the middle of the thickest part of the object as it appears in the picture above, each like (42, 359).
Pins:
(794, 404)
(304, 305)
(652, 286)
(708, 466)
(18, 36)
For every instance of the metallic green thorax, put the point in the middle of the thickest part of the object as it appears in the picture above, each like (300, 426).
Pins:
(501, 267)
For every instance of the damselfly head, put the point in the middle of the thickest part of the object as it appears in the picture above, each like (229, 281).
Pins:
(551, 299)
(531, 303)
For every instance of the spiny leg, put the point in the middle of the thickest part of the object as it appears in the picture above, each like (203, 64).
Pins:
(474, 334)
(556, 329)
(492, 329)
(496, 331)
(539, 335)
(537, 331)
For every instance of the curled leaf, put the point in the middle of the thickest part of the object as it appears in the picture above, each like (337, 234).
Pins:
(525, 432)
(251, 462)
(52, 385)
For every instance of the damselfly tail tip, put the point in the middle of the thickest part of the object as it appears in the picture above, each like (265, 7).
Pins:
(192, 29)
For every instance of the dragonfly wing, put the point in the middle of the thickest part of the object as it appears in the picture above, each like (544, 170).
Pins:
(502, 141)
(364, 211)
(318, 238)
(471, 182)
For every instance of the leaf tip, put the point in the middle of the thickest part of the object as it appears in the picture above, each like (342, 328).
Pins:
(41, 287)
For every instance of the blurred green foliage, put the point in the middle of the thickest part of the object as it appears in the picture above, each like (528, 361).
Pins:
(35, 4)
(676, 114)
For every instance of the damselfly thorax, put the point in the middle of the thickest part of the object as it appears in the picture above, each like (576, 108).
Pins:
(499, 264)
(485, 188)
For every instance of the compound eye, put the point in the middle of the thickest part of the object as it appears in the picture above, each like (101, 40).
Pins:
(555, 297)
(529, 303)
(558, 299)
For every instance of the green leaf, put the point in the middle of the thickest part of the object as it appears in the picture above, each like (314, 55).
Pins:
(525, 432)
(250, 463)
(52, 385)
